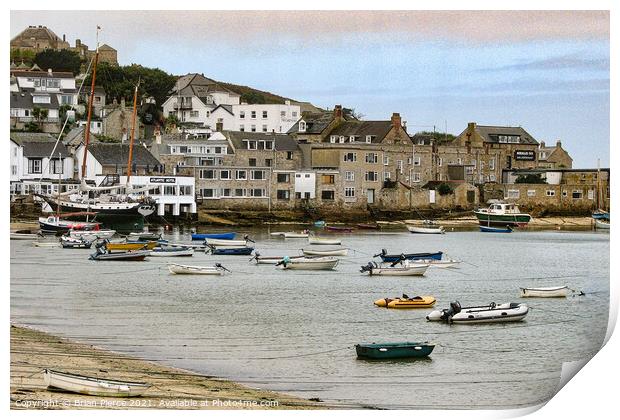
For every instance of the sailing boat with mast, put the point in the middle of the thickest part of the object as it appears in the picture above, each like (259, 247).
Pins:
(92, 199)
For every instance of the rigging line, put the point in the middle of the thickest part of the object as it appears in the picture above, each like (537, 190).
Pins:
(64, 125)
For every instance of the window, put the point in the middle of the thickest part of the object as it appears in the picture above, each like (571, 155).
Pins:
(257, 192)
(417, 160)
(289, 155)
(218, 150)
(328, 179)
(241, 127)
(349, 192)
(283, 178)
(34, 166)
(368, 139)
(268, 144)
(531, 193)
(252, 145)
(207, 174)
(302, 125)
(253, 114)
(253, 128)
(332, 139)
(53, 83)
(492, 164)
(242, 115)
(193, 114)
(469, 170)
(492, 178)
(264, 114)
(239, 192)
(350, 157)
(269, 163)
(209, 193)
(459, 161)
(577, 194)
(415, 177)
(13, 169)
(439, 161)
(349, 176)
(226, 192)
(56, 166)
(327, 195)
(282, 113)
(40, 99)
(241, 174)
(371, 158)
(386, 160)
(342, 139)
(225, 174)
(590, 194)
(252, 162)
(513, 194)
(68, 99)
(257, 175)
(351, 139)
(283, 195)
(550, 193)
(185, 190)
(170, 190)
(387, 176)
(473, 162)
(307, 175)
(371, 176)
(294, 114)
(264, 128)
(399, 166)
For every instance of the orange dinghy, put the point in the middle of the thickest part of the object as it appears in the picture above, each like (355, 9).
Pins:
(406, 302)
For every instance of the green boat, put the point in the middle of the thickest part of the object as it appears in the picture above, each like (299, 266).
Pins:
(393, 350)
(502, 214)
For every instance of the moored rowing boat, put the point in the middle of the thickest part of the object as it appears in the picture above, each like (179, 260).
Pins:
(217, 269)
(92, 386)
(545, 292)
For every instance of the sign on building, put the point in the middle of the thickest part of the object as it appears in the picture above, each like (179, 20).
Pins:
(525, 155)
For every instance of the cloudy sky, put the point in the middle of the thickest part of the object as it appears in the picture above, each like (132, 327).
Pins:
(547, 71)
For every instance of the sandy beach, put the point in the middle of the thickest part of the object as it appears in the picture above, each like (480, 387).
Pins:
(32, 351)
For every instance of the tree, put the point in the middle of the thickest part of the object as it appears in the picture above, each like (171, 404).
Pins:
(530, 179)
(252, 98)
(444, 189)
(63, 60)
(27, 56)
(40, 114)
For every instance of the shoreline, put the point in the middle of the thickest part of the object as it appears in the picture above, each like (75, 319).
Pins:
(171, 388)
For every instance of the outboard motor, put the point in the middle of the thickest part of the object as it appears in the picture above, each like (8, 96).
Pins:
(367, 268)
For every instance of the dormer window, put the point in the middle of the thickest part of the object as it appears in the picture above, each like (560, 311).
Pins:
(209, 99)
(351, 139)
(368, 139)
(332, 139)
(342, 139)
(302, 126)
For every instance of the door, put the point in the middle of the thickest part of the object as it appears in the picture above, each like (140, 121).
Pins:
(431, 196)
(370, 195)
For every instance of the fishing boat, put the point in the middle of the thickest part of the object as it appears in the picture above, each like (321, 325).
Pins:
(228, 242)
(56, 224)
(271, 260)
(229, 250)
(129, 246)
(320, 263)
(216, 269)
(385, 257)
(104, 255)
(394, 350)
(405, 302)
(170, 251)
(545, 292)
(69, 242)
(203, 236)
(335, 252)
(426, 229)
(506, 312)
(291, 235)
(492, 229)
(502, 214)
(313, 240)
(88, 385)
(92, 235)
(397, 268)
(143, 236)
(600, 224)
(20, 236)
(345, 229)
(368, 226)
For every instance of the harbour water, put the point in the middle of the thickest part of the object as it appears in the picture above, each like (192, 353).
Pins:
(295, 331)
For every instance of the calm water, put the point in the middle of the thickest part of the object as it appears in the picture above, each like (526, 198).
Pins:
(295, 331)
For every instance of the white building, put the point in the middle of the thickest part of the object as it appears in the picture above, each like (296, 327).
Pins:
(305, 185)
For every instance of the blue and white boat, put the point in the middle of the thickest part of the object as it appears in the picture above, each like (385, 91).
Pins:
(229, 250)
(409, 256)
(492, 229)
(203, 236)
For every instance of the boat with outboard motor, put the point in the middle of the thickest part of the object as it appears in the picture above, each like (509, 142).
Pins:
(73, 243)
(505, 312)
(171, 251)
(291, 235)
(331, 252)
(103, 254)
(313, 240)
(318, 263)
(228, 242)
(397, 268)
(271, 260)
(385, 257)
(56, 224)
(229, 250)
(502, 214)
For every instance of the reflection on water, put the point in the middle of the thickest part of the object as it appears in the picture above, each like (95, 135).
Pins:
(295, 331)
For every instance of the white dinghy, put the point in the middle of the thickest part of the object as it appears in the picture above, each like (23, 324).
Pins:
(505, 312)
(271, 260)
(313, 240)
(444, 263)
(320, 263)
(426, 229)
(92, 235)
(333, 252)
(291, 235)
(171, 251)
(399, 268)
(545, 292)
(216, 270)
(46, 244)
(93, 386)
(228, 242)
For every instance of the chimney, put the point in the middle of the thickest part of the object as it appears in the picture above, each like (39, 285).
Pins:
(558, 144)
(158, 136)
(396, 121)
(219, 126)
(471, 126)
(78, 43)
(64, 38)
(49, 72)
(405, 125)
(338, 112)
(542, 144)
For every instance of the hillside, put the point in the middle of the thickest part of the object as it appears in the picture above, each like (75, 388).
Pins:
(256, 96)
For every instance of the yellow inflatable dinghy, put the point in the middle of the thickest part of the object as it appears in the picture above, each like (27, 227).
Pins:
(407, 302)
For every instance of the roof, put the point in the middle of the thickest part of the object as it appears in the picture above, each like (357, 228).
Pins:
(227, 108)
(195, 84)
(283, 142)
(24, 38)
(490, 133)
(39, 145)
(24, 101)
(34, 73)
(426, 139)
(74, 137)
(316, 122)
(106, 47)
(117, 154)
(360, 129)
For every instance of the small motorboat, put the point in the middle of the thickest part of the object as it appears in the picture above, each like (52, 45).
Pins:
(203, 236)
(426, 229)
(228, 242)
(406, 302)
(313, 240)
(492, 229)
(545, 292)
(172, 251)
(346, 229)
(368, 226)
(333, 252)
(393, 350)
(55, 224)
(271, 260)
(143, 236)
(104, 255)
(129, 246)
(55, 380)
(291, 235)
(385, 257)
(506, 312)
(320, 263)
(216, 270)
(229, 250)
(69, 242)
(600, 224)
(397, 268)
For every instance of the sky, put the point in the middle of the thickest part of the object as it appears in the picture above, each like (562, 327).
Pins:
(547, 71)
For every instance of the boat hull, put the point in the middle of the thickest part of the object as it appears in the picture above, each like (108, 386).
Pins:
(393, 350)
(203, 236)
(490, 219)
(411, 303)
(92, 386)
(545, 292)
(142, 209)
(324, 241)
(325, 253)
(91, 235)
(190, 269)
(426, 230)
(111, 246)
(492, 229)
(232, 251)
(172, 253)
(325, 263)
(116, 256)
(414, 270)
(600, 224)
(412, 257)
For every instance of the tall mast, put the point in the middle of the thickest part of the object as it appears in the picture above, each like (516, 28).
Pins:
(133, 130)
(90, 107)
(59, 181)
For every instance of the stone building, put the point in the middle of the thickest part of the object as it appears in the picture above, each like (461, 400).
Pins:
(554, 157)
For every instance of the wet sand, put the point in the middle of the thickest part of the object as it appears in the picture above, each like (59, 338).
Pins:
(32, 351)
